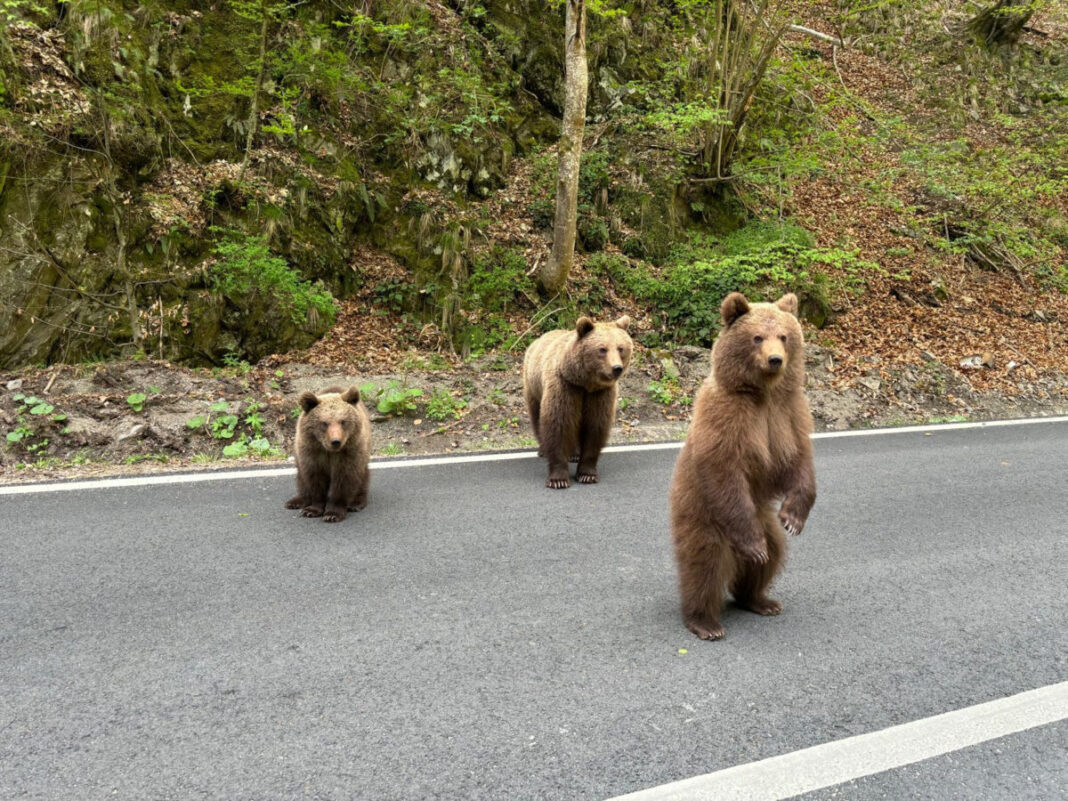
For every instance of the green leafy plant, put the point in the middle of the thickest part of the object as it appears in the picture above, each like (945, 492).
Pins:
(20, 433)
(393, 398)
(245, 445)
(443, 405)
(667, 391)
(242, 429)
(36, 421)
(137, 401)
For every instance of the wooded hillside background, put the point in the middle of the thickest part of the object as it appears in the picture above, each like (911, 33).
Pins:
(216, 182)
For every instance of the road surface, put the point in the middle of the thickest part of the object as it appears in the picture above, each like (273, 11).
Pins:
(472, 635)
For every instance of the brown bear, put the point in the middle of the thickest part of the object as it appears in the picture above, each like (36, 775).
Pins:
(747, 448)
(333, 448)
(570, 383)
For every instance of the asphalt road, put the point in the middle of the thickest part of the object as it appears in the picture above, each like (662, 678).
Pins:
(472, 635)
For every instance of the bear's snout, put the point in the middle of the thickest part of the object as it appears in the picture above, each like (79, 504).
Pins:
(774, 362)
(617, 370)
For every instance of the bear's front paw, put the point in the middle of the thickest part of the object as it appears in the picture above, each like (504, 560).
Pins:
(296, 502)
(558, 483)
(312, 511)
(334, 516)
(791, 521)
(587, 476)
(756, 551)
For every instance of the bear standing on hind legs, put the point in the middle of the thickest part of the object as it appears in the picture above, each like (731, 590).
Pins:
(570, 384)
(748, 448)
(333, 450)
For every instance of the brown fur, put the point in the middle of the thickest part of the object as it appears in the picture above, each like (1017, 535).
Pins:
(333, 448)
(748, 448)
(570, 386)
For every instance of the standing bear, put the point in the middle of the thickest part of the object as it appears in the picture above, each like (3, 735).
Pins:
(747, 449)
(570, 383)
(333, 448)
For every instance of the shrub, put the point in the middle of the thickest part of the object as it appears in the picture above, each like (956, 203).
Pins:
(593, 232)
(497, 277)
(244, 266)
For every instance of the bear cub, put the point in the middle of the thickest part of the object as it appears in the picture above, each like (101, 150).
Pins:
(570, 384)
(333, 448)
(747, 450)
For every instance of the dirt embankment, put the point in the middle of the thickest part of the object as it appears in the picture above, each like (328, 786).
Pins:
(144, 416)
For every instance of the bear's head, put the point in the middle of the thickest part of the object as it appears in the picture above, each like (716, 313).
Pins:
(760, 345)
(600, 353)
(331, 417)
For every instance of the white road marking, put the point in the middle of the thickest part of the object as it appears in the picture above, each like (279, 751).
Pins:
(869, 432)
(226, 475)
(841, 761)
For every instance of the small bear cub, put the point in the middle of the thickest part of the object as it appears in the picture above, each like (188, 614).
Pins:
(333, 449)
(570, 384)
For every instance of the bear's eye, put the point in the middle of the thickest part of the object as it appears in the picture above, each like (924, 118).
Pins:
(324, 425)
(782, 337)
(758, 340)
(604, 351)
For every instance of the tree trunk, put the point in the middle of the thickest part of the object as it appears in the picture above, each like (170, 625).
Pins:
(1001, 24)
(254, 112)
(553, 275)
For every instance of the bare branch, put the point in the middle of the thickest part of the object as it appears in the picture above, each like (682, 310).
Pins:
(824, 37)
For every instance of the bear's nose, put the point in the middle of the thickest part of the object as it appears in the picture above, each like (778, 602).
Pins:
(775, 362)
(335, 443)
(618, 369)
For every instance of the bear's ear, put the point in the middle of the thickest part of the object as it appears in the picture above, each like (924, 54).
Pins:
(788, 303)
(351, 395)
(308, 401)
(623, 322)
(584, 326)
(734, 306)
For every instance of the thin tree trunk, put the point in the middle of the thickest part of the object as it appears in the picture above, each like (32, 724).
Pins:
(254, 112)
(553, 275)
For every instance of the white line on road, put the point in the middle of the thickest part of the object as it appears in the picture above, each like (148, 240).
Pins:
(854, 757)
(226, 475)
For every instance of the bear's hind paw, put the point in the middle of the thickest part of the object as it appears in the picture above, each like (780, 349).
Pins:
(762, 606)
(705, 628)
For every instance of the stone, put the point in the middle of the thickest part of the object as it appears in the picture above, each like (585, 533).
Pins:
(136, 431)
